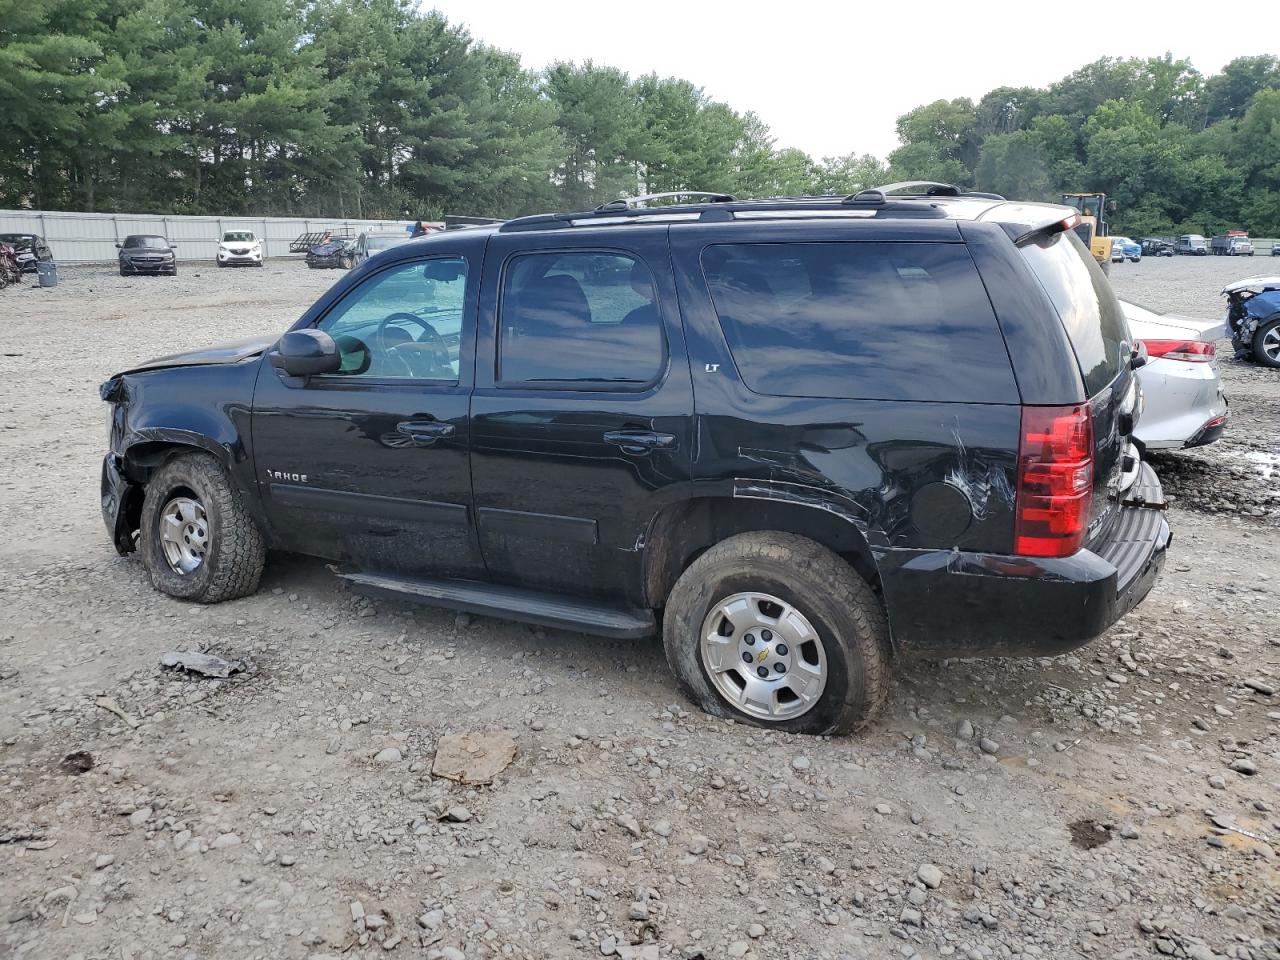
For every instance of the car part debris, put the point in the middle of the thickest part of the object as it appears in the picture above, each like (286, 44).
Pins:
(109, 704)
(473, 757)
(205, 664)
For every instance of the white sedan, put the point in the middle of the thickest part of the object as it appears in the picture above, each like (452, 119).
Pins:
(1184, 405)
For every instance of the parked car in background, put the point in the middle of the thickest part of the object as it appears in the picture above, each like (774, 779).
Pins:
(1183, 402)
(1122, 248)
(1253, 316)
(1231, 245)
(336, 253)
(1275, 249)
(1157, 247)
(240, 248)
(29, 250)
(147, 253)
(371, 242)
(506, 420)
(1191, 245)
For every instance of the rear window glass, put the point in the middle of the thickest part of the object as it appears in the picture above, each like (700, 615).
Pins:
(859, 320)
(1085, 303)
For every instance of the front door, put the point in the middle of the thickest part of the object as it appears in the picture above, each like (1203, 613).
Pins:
(581, 417)
(370, 465)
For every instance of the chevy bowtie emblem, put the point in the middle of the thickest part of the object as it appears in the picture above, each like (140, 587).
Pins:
(763, 655)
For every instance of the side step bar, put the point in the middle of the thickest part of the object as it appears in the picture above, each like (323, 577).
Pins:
(511, 603)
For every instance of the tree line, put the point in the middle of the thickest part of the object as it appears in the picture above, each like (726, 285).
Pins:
(374, 108)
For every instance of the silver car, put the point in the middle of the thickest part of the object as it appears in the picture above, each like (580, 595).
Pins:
(370, 243)
(1182, 392)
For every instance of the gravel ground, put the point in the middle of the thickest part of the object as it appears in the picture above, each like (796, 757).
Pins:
(1118, 802)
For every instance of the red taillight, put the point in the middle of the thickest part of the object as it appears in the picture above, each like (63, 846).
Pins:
(1192, 351)
(1055, 481)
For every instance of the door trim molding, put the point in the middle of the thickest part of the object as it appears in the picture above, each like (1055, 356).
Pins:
(368, 505)
(538, 526)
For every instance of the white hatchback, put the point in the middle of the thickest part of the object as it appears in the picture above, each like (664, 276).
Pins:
(1184, 405)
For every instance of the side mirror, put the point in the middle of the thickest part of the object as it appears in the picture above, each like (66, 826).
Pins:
(119, 246)
(304, 353)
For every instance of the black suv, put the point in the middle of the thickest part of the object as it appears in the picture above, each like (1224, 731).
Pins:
(800, 435)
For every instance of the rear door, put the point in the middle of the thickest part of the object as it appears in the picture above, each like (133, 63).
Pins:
(581, 415)
(1095, 325)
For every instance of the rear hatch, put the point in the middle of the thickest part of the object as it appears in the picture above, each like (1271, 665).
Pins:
(1095, 325)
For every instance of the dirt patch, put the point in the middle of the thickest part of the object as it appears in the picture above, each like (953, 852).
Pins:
(1088, 834)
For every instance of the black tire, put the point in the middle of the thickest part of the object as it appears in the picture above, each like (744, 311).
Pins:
(1259, 354)
(221, 265)
(122, 273)
(840, 605)
(233, 564)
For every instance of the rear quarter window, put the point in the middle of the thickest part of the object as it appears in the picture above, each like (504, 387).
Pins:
(1086, 304)
(859, 320)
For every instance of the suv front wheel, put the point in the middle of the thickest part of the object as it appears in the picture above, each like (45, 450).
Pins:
(777, 630)
(198, 541)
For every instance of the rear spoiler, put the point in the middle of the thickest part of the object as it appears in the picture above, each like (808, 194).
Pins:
(1024, 222)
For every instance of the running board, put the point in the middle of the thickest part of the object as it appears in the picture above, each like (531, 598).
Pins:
(511, 603)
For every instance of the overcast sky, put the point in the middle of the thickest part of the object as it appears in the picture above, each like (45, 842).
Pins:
(831, 79)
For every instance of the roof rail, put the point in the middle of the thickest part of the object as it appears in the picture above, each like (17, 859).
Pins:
(632, 203)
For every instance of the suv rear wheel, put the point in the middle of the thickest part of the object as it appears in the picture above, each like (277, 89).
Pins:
(779, 631)
(198, 541)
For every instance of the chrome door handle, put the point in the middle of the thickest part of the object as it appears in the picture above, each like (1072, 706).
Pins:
(425, 432)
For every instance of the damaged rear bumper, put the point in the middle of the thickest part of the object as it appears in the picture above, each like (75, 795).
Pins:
(956, 603)
(121, 502)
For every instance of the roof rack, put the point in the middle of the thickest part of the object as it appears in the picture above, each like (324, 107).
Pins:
(722, 208)
(644, 200)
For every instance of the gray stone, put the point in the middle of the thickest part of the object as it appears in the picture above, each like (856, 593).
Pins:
(738, 948)
(457, 814)
(987, 745)
(629, 824)
(756, 931)
(1245, 766)
(139, 817)
(102, 861)
(1259, 685)
(964, 730)
(389, 755)
(910, 916)
(929, 875)
(608, 946)
(800, 763)
(224, 841)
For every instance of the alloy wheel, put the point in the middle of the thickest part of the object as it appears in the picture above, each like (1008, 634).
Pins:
(184, 534)
(763, 656)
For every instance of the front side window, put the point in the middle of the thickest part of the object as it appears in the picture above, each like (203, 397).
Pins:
(859, 320)
(404, 323)
(579, 318)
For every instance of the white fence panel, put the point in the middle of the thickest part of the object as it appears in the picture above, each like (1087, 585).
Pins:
(92, 237)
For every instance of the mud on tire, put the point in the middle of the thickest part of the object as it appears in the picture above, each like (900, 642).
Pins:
(839, 604)
(232, 564)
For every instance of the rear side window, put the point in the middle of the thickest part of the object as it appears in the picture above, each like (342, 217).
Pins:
(1086, 304)
(579, 318)
(859, 320)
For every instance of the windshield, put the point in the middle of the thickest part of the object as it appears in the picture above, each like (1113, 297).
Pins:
(381, 241)
(151, 243)
(238, 236)
(21, 241)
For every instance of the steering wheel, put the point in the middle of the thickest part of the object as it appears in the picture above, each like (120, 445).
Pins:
(433, 340)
